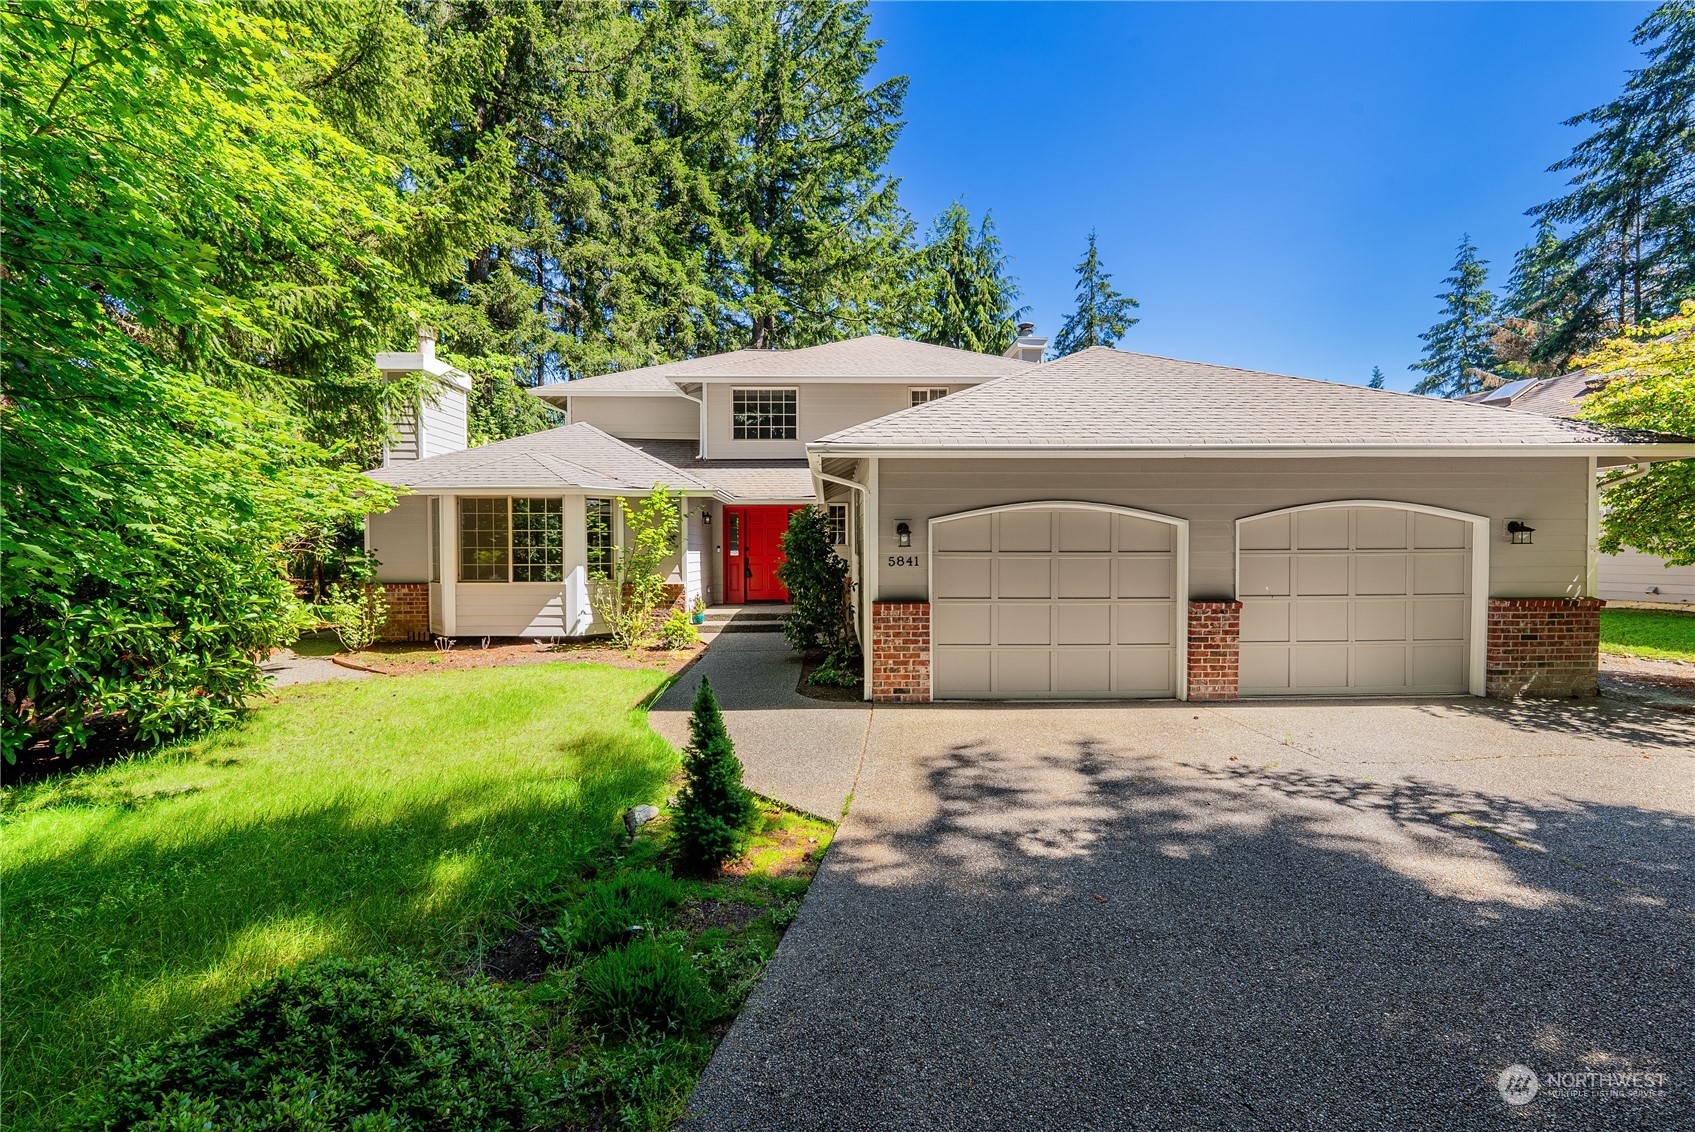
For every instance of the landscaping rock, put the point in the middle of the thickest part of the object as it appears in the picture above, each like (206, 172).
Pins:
(637, 816)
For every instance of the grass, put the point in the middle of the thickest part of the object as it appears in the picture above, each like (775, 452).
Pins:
(396, 816)
(1659, 634)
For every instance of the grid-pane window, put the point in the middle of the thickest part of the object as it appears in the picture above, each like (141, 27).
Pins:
(598, 523)
(764, 414)
(838, 524)
(484, 542)
(538, 540)
(925, 396)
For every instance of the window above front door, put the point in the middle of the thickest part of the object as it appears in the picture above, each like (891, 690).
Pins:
(764, 414)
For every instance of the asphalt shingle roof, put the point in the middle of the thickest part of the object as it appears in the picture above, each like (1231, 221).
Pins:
(577, 456)
(738, 479)
(1106, 398)
(874, 357)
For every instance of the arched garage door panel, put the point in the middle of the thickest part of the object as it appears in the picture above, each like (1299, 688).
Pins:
(1354, 601)
(1053, 603)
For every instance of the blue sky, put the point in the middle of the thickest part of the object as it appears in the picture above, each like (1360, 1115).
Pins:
(1282, 186)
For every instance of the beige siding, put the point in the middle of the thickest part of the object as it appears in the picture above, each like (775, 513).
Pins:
(1630, 576)
(1551, 494)
(523, 609)
(400, 540)
(639, 418)
(445, 422)
(403, 443)
(822, 408)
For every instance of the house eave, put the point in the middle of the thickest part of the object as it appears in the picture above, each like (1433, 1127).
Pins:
(1617, 452)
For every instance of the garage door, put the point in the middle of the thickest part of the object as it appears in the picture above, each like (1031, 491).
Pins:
(1053, 603)
(1354, 601)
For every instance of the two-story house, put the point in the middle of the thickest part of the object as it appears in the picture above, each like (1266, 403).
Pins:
(502, 540)
(1105, 525)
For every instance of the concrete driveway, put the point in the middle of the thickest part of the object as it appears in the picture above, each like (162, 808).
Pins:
(1282, 916)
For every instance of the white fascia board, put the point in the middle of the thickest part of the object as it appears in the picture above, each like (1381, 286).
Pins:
(1626, 453)
(414, 362)
(563, 389)
(851, 379)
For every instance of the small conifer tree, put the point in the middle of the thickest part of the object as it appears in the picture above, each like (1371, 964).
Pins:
(714, 809)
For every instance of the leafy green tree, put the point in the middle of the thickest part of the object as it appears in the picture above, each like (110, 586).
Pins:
(1457, 353)
(1101, 315)
(1377, 378)
(628, 599)
(964, 296)
(1653, 387)
(714, 810)
(179, 216)
(1630, 253)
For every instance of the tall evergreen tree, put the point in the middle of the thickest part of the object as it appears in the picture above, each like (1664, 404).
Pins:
(1631, 202)
(1456, 349)
(812, 219)
(963, 295)
(1101, 315)
(1536, 307)
(1377, 378)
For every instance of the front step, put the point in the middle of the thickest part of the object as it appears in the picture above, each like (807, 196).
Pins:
(743, 619)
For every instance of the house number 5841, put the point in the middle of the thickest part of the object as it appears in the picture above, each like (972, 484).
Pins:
(903, 560)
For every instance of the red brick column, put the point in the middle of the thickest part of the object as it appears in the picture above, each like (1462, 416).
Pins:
(408, 611)
(1215, 633)
(1544, 646)
(900, 652)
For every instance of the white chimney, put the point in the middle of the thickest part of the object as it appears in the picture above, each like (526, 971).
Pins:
(438, 421)
(1028, 346)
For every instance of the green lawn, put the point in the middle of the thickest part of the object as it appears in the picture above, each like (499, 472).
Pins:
(1662, 634)
(381, 816)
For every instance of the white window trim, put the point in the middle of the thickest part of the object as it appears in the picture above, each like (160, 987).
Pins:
(791, 389)
(931, 393)
(832, 509)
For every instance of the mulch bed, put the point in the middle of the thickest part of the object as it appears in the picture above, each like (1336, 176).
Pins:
(833, 693)
(502, 652)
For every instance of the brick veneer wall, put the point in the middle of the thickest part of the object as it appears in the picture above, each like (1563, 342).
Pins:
(1215, 633)
(900, 652)
(1544, 646)
(408, 611)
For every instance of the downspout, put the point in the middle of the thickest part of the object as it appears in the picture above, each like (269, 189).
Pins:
(824, 477)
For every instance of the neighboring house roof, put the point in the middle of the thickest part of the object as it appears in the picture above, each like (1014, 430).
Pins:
(736, 479)
(577, 456)
(874, 357)
(1550, 396)
(1101, 398)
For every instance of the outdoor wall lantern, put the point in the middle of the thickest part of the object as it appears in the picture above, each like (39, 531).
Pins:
(1518, 532)
(903, 534)
(706, 517)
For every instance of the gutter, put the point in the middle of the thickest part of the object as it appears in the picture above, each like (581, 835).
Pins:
(1633, 453)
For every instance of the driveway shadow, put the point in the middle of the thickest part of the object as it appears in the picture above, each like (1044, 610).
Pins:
(1090, 934)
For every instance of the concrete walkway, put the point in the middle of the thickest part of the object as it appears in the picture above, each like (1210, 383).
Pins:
(1340, 916)
(803, 752)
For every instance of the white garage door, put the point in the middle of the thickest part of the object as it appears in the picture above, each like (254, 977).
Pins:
(1053, 603)
(1354, 601)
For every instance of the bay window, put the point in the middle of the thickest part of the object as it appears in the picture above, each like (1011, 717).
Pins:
(511, 539)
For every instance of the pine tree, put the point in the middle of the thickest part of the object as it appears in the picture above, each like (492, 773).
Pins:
(1377, 378)
(963, 295)
(1456, 350)
(714, 809)
(1102, 315)
(813, 220)
(1631, 204)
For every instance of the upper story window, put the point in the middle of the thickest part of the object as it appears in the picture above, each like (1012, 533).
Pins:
(764, 414)
(511, 540)
(928, 394)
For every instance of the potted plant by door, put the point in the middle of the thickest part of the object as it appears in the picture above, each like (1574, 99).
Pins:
(698, 613)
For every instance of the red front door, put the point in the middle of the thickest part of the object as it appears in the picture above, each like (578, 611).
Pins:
(753, 549)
